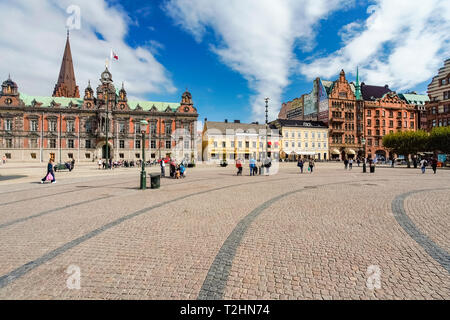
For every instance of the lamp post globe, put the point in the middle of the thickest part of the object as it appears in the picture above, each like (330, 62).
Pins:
(144, 125)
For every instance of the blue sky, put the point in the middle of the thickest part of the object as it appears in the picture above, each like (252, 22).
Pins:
(229, 54)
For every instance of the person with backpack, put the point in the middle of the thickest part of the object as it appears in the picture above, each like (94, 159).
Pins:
(300, 164)
(239, 167)
(50, 176)
(423, 165)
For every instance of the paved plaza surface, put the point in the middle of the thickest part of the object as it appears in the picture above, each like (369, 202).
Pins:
(214, 235)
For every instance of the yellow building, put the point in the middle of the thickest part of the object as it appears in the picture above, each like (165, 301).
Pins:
(308, 139)
(234, 140)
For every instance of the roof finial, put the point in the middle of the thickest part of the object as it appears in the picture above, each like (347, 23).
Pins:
(68, 33)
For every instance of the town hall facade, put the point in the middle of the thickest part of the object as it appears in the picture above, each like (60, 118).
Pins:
(65, 126)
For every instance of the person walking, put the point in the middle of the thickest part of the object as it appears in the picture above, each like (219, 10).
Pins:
(311, 165)
(163, 168)
(434, 163)
(300, 164)
(268, 164)
(239, 167)
(4, 159)
(358, 161)
(345, 163)
(100, 162)
(423, 165)
(252, 164)
(350, 164)
(50, 173)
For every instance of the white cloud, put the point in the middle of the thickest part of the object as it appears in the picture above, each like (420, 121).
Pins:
(255, 37)
(33, 40)
(402, 43)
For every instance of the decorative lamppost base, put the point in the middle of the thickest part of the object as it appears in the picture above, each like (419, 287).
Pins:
(143, 180)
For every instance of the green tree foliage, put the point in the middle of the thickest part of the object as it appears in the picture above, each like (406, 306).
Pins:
(439, 140)
(406, 142)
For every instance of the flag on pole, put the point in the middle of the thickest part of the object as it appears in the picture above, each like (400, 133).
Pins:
(114, 56)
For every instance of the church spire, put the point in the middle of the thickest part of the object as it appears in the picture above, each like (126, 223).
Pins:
(357, 86)
(66, 85)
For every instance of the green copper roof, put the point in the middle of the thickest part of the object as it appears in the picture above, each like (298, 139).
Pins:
(46, 101)
(358, 86)
(147, 105)
(64, 102)
(412, 98)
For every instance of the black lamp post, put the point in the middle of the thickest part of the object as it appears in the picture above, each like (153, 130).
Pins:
(106, 133)
(363, 141)
(144, 125)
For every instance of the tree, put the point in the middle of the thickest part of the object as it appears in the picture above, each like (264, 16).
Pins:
(406, 143)
(440, 140)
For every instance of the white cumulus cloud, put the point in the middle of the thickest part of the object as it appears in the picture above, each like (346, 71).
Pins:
(33, 40)
(402, 43)
(255, 37)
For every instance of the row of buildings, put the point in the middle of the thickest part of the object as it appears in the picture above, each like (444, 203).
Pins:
(336, 120)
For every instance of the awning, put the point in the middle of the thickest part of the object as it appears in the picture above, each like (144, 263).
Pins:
(351, 151)
(335, 151)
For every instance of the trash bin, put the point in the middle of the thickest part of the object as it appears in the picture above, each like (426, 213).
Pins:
(372, 169)
(155, 180)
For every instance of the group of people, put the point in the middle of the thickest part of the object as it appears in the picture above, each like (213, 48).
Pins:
(177, 171)
(424, 163)
(255, 167)
(310, 163)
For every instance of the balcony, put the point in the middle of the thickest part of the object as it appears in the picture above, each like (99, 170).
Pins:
(340, 131)
(337, 119)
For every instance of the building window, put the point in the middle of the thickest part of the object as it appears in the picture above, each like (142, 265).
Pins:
(87, 144)
(254, 144)
(240, 144)
(70, 143)
(287, 144)
(8, 124)
(153, 144)
(232, 144)
(87, 155)
(168, 130)
(168, 144)
(215, 144)
(9, 143)
(153, 128)
(121, 127)
(369, 122)
(70, 126)
(299, 144)
(247, 144)
(137, 127)
(224, 144)
(8, 156)
(52, 125)
(33, 155)
(137, 155)
(34, 125)
(88, 126)
(70, 155)
(306, 145)
(391, 114)
(369, 132)
(52, 143)
(137, 144)
(121, 156)
(411, 124)
(369, 113)
(33, 143)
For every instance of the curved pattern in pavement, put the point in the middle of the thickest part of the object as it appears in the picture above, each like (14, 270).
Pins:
(24, 269)
(435, 251)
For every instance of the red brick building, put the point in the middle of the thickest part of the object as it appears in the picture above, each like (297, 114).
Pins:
(384, 112)
(65, 126)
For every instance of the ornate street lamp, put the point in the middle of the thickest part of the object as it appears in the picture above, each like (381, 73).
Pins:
(144, 125)
(267, 123)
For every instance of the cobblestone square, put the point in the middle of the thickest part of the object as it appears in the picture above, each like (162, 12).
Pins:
(333, 234)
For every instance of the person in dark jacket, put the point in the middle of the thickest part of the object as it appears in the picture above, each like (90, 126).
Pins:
(49, 171)
(434, 163)
(300, 164)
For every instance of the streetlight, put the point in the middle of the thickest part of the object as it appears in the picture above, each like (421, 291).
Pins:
(144, 125)
(267, 122)
(363, 141)
(106, 136)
